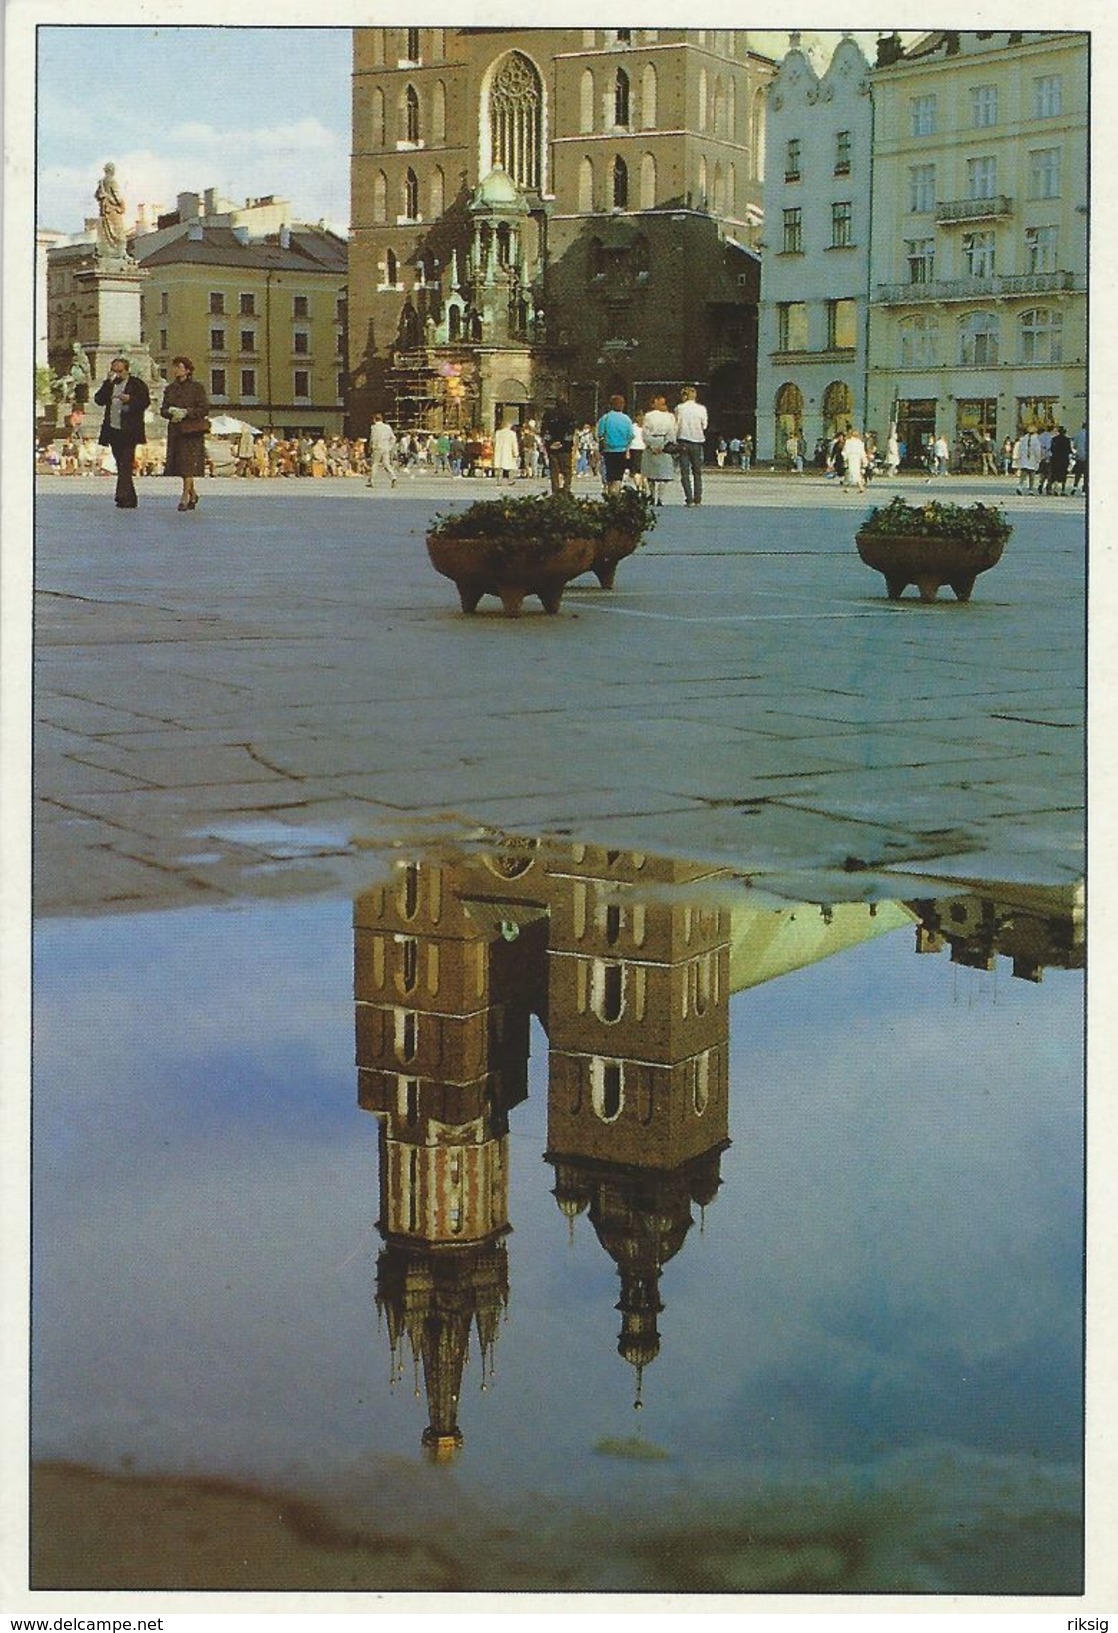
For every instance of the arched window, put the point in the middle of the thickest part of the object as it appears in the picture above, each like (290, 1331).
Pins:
(516, 120)
(411, 194)
(648, 182)
(391, 274)
(438, 112)
(585, 185)
(586, 102)
(838, 407)
(732, 109)
(702, 99)
(718, 195)
(1041, 336)
(409, 115)
(607, 1088)
(978, 340)
(701, 201)
(620, 184)
(648, 98)
(411, 46)
(621, 99)
(380, 196)
(789, 407)
(919, 337)
(438, 193)
(376, 117)
(731, 189)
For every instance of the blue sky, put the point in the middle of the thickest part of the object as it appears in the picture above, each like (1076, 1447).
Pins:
(248, 111)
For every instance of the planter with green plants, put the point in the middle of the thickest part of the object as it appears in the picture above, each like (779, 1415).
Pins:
(513, 548)
(932, 544)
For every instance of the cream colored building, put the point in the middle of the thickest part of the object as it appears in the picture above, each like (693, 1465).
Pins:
(978, 262)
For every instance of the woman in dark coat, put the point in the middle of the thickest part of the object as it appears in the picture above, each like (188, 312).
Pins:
(184, 403)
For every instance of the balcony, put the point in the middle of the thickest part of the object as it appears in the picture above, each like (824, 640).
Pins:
(974, 209)
(966, 289)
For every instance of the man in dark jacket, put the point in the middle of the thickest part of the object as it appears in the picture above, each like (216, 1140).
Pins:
(557, 429)
(124, 399)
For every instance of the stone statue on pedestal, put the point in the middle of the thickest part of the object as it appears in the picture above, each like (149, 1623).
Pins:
(112, 242)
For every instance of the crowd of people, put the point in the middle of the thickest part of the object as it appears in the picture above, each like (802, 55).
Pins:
(649, 449)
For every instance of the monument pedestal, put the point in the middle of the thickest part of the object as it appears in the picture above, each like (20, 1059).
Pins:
(113, 287)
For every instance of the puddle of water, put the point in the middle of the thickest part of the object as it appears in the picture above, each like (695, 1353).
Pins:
(570, 1199)
(280, 839)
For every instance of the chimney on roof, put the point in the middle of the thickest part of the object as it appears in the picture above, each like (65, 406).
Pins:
(285, 237)
(188, 204)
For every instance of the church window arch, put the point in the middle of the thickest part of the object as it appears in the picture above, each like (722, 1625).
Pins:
(586, 102)
(621, 98)
(701, 200)
(718, 192)
(620, 183)
(438, 112)
(731, 189)
(607, 990)
(607, 1088)
(513, 120)
(376, 118)
(438, 192)
(409, 114)
(732, 109)
(719, 119)
(411, 194)
(702, 99)
(585, 184)
(380, 196)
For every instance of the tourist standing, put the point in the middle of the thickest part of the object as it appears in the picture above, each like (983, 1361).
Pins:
(1079, 443)
(506, 454)
(892, 453)
(854, 462)
(557, 432)
(690, 436)
(382, 451)
(659, 432)
(1028, 460)
(615, 433)
(185, 407)
(1059, 461)
(124, 400)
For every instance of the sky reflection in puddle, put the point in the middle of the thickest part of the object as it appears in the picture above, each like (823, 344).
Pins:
(611, 1133)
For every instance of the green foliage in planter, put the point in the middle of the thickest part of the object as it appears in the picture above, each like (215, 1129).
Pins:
(970, 524)
(546, 521)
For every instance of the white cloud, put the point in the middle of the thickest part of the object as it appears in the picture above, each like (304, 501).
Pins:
(303, 136)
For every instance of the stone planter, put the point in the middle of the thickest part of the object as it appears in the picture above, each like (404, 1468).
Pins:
(613, 547)
(510, 568)
(928, 562)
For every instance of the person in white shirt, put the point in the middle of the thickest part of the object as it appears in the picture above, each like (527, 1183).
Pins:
(1028, 460)
(382, 450)
(658, 430)
(690, 435)
(854, 462)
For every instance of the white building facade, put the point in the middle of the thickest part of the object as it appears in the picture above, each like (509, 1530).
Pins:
(812, 360)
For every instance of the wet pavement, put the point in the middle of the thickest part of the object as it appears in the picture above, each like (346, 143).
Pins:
(559, 1218)
(238, 699)
(601, 1106)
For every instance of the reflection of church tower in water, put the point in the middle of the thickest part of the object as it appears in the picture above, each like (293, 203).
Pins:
(442, 994)
(638, 1026)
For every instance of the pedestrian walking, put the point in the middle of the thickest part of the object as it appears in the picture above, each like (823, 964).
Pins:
(125, 400)
(659, 435)
(185, 407)
(892, 453)
(382, 451)
(557, 432)
(1007, 456)
(690, 436)
(746, 452)
(615, 433)
(636, 455)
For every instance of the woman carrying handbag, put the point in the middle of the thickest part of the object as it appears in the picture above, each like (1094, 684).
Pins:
(185, 407)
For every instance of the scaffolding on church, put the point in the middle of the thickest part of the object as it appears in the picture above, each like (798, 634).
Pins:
(416, 392)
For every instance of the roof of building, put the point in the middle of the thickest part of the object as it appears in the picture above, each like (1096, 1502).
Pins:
(300, 248)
